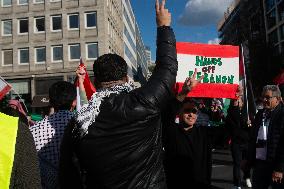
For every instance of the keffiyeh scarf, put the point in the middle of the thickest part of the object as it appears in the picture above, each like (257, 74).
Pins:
(86, 116)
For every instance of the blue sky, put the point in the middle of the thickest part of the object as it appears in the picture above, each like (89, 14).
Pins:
(192, 20)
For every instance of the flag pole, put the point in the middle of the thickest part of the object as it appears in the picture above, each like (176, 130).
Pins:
(245, 82)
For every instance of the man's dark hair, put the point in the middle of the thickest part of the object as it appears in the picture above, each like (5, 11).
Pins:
(109, 67)
(61, 95)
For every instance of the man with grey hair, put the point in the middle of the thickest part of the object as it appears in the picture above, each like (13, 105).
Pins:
(266, 141)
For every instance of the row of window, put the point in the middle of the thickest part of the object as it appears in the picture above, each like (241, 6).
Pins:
(8, 3)
(55, 24)
(74, 52)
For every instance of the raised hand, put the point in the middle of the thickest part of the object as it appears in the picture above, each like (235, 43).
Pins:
(188, 85)
(163, 16)
(81, 73)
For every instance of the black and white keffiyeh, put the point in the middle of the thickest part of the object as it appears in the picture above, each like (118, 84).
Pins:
(88, 112)
(48, 134)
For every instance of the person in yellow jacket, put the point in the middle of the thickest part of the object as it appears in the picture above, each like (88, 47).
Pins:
(19, 167)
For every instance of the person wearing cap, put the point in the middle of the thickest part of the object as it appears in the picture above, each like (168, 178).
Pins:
(187, 147)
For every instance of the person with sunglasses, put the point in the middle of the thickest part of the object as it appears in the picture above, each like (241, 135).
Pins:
(267, 143)
(187, 147)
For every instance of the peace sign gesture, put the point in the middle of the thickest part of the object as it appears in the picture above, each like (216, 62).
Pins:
(163, 16)
(188, 85)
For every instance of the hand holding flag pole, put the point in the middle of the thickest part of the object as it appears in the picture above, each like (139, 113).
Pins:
(83, 83)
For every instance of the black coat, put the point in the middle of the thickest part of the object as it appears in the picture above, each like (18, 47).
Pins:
(188, 160)
(123, 148)
(237, 126)
(275, 138)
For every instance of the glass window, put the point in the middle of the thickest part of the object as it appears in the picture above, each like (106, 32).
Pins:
(6, 3)
(7, 27)
(73, 21)
(57, 53)
(269, 4)
(281, 11)
(40, 54)
(23, 26)
(56, 23)
(38, 1)
(282, 32)
(271, 19)
(92, 50)
(7, 57)
(39, 24)
(24, 56)
(22, 2)
(273, 37)
(74, 52)
(91, 19)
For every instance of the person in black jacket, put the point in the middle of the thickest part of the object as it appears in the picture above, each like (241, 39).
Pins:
(188, 161)
(266, 148)
(116, 137)
(239, 127)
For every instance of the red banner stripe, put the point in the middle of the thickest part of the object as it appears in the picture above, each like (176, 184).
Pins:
(211, 90)
(222, 51)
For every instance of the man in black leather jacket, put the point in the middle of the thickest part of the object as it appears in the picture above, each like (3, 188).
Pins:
(116, 138)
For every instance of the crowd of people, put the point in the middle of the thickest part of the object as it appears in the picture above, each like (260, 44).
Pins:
(147, 137)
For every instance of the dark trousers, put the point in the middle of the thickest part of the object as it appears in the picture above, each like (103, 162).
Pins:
(262, 176)
(239, 152)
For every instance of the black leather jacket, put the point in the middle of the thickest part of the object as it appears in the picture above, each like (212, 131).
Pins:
(123, 148)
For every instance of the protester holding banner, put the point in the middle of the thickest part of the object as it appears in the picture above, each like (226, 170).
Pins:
(117, 135)
(188, 161)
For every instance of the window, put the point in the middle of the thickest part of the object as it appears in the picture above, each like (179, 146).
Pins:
(90, 20)
(92, 50)
(39, 24)
(22, 2)
(6, 3)
(56, 23)
(23, 26)
(74, 52)
(55, 0)
(271, 19)
(7, 57)
(7, 27)
(73, 21)
(269, 4)
(40, 54)
(281, 11)
(24, 56)
(57, 53)
(273, 37)
(38, 1)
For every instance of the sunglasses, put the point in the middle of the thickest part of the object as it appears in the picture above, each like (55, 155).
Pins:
(267, 97)
(190, 110)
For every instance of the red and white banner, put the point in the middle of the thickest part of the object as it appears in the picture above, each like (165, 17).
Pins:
(218, 63)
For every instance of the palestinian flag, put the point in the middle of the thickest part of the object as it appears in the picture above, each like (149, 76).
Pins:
(218, 63)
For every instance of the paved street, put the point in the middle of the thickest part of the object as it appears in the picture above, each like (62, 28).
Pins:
(222, 172)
